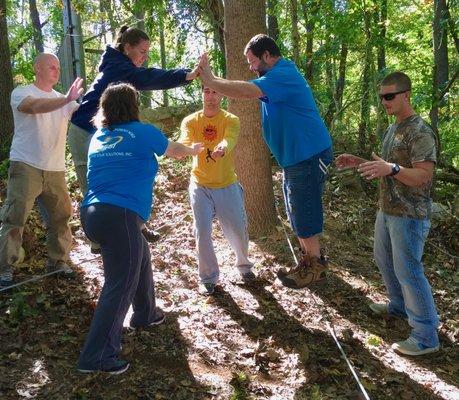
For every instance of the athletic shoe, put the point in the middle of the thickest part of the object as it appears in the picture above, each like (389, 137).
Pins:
(6, 278)
(117, 369)
(150, 235)
(412, 347)
(56, 265)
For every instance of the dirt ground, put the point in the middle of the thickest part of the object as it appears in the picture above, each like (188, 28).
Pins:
(262, 341)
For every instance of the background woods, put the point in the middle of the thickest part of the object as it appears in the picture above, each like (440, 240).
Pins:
(267, 342)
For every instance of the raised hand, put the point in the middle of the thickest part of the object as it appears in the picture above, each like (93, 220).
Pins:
(76, 90)
(205, 73)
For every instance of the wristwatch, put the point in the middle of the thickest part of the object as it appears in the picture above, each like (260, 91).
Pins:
(395, 169)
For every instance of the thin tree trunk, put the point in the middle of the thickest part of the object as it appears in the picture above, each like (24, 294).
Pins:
(162, 51)
(440, 69)
(273, 25)
(381, 116)
(365, 87)
(216, 13)
(309, 8)
(382, 36)
(37, 33)
(243, 20)
(6, 86)
(337, 100)
(295, 32)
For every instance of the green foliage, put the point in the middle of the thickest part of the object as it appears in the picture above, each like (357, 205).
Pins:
(239, 383)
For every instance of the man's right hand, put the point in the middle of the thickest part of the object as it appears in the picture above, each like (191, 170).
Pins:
(348, 161)
(75, 91)
(205, 72)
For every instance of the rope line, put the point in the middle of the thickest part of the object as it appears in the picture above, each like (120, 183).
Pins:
(328, 321)
(33, 279)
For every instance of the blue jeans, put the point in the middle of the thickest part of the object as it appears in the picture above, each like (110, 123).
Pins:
(398, 249)
(227, 204)
(303, 188)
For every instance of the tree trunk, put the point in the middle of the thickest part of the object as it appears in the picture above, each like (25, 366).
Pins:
(273, 25)
(365, 101)
(162, 51)
(37, 33)
(337, 100)
(382, 36)
(139, 14)
(243, 20)
(6, 86)
(381, 116)
(440, 69)
(216, 13)
(295, 32)
(309, 8)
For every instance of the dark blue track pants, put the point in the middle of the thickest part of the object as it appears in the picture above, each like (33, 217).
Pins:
(128, 280)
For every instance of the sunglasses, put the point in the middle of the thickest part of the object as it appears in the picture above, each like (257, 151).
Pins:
(390, 96)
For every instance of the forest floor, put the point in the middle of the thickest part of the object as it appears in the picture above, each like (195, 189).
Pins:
(262, 341)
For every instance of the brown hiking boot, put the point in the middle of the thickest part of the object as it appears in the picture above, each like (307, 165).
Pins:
(310, 270)
(304, 261)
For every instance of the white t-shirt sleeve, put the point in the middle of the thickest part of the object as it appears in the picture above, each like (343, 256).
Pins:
(18, 95)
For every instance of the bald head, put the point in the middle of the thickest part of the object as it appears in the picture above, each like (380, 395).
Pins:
(47, 69)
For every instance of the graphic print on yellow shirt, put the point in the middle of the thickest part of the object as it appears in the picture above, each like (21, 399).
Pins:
(223, 129)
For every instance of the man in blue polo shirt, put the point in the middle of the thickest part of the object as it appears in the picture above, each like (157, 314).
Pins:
(298, 139)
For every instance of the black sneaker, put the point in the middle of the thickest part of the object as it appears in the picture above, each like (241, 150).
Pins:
(151, 235)
(159, 319)
(118, 368)
(95, 248)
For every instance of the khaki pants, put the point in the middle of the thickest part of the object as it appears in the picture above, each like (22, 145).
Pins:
(25, 184)
(78, 140)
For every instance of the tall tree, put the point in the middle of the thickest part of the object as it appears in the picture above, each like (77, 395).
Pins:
(310, 8)
(273, 24)
(243, 20)
(440, 67)
(6, 86)
(37, 33)
(295, 32)
(365, 83)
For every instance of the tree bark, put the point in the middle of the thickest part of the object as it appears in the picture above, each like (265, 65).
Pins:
(295, 32)
(37, 33)
(440, 69)
(273, 25)
(365, 86)
(309, 8)
(243, 20)
(162, 51)
(6, 86)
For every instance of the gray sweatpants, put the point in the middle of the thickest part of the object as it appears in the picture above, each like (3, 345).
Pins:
(227, 204)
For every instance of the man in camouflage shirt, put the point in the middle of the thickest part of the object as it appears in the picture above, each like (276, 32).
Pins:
(406, 169)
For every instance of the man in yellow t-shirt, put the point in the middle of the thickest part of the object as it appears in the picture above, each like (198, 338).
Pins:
(214, 189)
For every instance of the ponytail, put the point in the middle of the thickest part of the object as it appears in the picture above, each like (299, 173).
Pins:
(132, 36)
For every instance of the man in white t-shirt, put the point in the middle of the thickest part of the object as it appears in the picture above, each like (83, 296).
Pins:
(37, 166)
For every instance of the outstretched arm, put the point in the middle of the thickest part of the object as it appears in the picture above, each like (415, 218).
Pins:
(179, 150)
(233, 89)
(37, 105)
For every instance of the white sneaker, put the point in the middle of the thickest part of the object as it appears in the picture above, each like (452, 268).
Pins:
(412, 347)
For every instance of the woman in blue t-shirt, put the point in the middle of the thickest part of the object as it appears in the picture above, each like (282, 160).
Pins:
(121, 62)
(122, 167)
